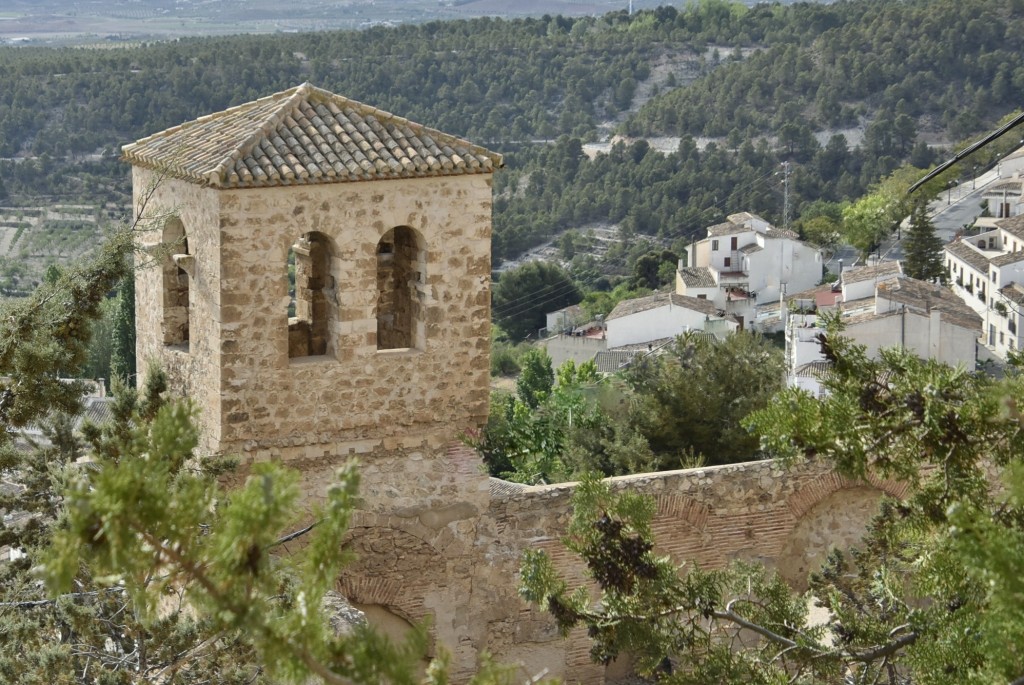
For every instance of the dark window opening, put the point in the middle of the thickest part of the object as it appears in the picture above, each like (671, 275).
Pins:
(313, 302)
(401, 260)
(175, 284)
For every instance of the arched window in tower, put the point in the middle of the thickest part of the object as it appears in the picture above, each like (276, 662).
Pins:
(177, 265)
(400, 273)
(313, 303)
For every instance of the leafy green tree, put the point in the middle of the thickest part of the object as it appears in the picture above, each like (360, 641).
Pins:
(922, 249)
(691, 399)
(536, 378)
(874, 217)
(576, 425)
(821, 231)
(524, 295)
(932, 595)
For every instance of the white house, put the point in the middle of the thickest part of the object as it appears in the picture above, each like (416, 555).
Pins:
(663, 315)
(745, 263)
(987, 273)
(882, 308)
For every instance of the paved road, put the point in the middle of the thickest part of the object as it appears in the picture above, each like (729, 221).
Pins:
(950, 212)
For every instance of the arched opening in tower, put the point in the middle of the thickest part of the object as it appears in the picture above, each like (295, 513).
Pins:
(175, 284)
(312, 303)
(400, 272)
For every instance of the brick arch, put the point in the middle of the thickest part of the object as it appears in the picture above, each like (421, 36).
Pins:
(439, 541)
(679, 526)
(829, 511)
(809, 494)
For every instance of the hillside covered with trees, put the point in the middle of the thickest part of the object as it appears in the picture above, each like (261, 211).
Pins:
(773, 83)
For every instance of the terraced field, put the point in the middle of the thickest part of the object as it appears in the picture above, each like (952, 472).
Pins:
(33, 238)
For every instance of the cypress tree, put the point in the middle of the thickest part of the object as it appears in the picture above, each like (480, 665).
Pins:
(923, 249)
(122, 355)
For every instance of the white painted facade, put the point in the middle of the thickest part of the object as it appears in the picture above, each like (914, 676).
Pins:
(987, 272)
(899, 312)
(663, 315)
(751, 263)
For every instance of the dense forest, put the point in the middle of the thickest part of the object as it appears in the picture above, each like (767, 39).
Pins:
(772, 83)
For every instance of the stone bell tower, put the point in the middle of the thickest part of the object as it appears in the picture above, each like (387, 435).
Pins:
(323, 286)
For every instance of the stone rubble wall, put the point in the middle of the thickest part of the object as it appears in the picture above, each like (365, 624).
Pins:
(355, 393)
(258, 402)
(455, 563)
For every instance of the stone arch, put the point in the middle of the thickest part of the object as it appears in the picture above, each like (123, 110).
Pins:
(176, 266)
(401, 272)
(313, 305)
(829, 512)
(393, 569)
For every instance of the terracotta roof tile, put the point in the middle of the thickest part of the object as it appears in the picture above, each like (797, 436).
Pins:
(967, 254)
(305, 135)
(1007, 258)
(1013, 292)
(1013, 225)
(697, 277)
(928, 296)
(642, 304)
(818, 369)
(872, 272)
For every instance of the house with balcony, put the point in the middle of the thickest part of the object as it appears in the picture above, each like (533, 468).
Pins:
(987, 272)
(746, 263)
(880, 308)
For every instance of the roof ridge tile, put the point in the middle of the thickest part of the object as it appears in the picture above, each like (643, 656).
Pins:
(305, 135)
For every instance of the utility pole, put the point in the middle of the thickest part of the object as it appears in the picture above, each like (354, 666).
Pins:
(785, 195)
(631, 8)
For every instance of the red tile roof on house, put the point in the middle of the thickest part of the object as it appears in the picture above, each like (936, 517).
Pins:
(305, 135)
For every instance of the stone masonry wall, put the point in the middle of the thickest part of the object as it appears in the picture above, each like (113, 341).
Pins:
(455, 562)
(356, 396)
(193, 369)
(257, 402)
(757, 511)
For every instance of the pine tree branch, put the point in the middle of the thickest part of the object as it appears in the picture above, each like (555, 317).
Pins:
(28, 604)
(296, 534)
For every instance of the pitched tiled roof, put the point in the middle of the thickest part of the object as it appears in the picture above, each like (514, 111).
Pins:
(736, 224)
(697, 277)
(642, 304)
(1013, 225)
(968, 255)
(1009, 186)
(818, 369)
(612, 361)
(305, 135)
(872, 272)
(927, 297)
(726, 228)
(1013, 292)
(751, 248)
(776, 232)
(811, 293)
(1007, 258)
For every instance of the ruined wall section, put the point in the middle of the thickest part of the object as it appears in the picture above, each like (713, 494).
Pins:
(757, 511)
(356, 398)
(193, 369)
